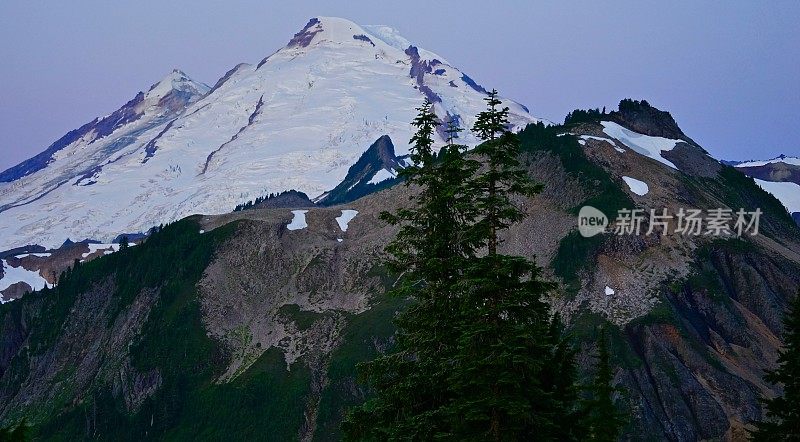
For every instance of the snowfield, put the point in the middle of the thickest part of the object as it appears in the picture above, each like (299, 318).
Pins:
(787, 193)
(345, 218)
(296, 120)
(13, 275)
(643, 144)
(607, 140)
(638, 187)
(107, 248)
(298, 221)
(382, 175)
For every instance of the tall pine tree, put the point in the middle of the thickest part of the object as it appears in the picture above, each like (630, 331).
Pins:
(478, 355)
(604, 421)
(411, 393)
(782, 422)
(507, 339)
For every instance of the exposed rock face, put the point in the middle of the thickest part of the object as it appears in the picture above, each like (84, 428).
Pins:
(84, 353)
(303, 38)
(48, 264)
(707, 363)
(774, 171)
(360, 179)
(290, 199)
(641, 117)
(693, 160)
(310, 271)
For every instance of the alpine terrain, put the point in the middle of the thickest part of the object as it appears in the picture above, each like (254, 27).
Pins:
(209, 262)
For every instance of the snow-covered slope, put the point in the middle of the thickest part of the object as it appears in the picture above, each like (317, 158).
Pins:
(296, 120)
(786, 192)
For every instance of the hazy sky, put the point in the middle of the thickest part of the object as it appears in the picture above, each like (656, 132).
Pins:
(729, 72)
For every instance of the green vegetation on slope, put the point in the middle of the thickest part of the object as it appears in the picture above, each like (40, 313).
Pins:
(188, 404)
(576, 253)
(360, 339)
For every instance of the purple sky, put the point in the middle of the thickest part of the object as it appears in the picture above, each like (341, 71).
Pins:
(728, 71)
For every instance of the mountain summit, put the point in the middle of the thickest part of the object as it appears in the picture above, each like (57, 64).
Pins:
(296, 120)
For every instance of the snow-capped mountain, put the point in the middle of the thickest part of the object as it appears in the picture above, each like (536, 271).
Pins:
(296, 120)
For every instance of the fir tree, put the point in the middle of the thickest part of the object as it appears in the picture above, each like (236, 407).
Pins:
(410, 383)
(500, 150)
(507, 340)
(123, 242)
(604, 422)
(478, 355)
(782, 422)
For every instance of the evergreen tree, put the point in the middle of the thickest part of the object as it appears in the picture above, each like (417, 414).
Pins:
(507, 340)
(500, 150)
(478, 355)
(604, 422)
(410, 383)
(123, 242)
(783, 412)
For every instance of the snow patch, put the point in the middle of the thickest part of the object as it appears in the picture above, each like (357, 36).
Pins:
(382, 175)
(299, 220)
(109, 248)
(345, 218)
(646, 145)
(609, 291)
(607, 140)
(41, 255)
(787, 193)
(638, 187)
(13, 275)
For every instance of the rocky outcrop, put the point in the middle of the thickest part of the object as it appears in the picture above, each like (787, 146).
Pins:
(773, 171)
(380, 156)
(641, 117)
(90, 348)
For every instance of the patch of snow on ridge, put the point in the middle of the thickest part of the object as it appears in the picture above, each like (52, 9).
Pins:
(299, 220)
(781, 159)
(643, 144)
(638, 187)
(382, 175)
(787, 193)
(345, 218)
(13, 275)
(609, 291)
(108, 248)
(607, 140)
(40, 255)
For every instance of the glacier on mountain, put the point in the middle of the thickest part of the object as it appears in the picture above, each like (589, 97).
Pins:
(297, 120)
